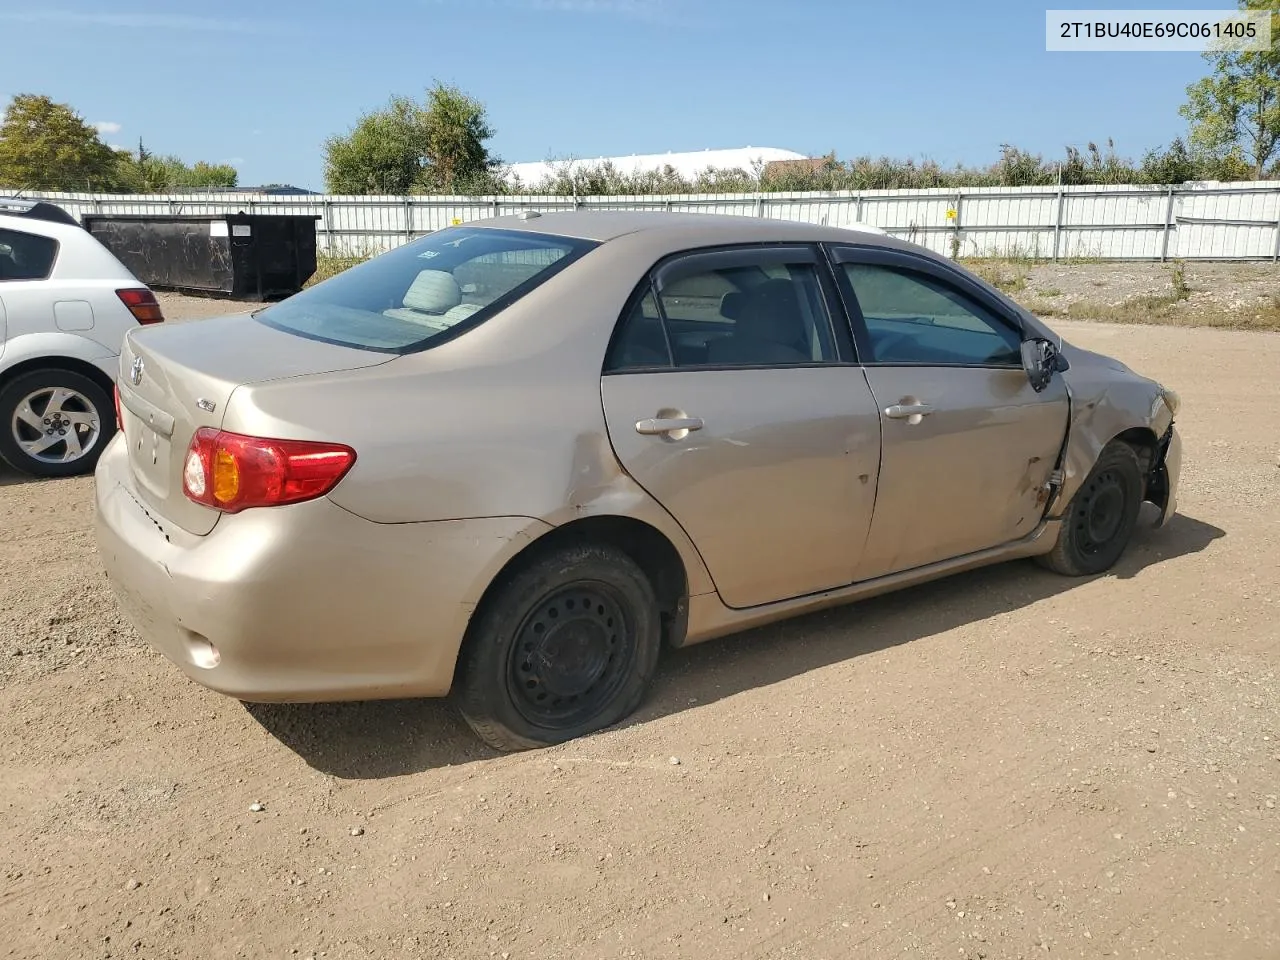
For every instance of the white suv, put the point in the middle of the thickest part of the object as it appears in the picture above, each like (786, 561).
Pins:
(65, 305)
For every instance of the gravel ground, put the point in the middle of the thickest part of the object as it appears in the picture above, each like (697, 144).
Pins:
(1233, 295)
(1004, 764)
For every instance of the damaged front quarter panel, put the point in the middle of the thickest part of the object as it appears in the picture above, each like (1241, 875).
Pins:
(1110, 401)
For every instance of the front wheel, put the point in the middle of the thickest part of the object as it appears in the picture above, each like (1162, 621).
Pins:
(1101, 516)
(566, 646)
(54, 423)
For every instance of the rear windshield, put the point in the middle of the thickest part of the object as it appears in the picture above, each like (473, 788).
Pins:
(426, 290)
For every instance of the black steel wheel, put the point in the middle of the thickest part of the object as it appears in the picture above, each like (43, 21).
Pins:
(1100, 519)
(563, 646)
(571, 655)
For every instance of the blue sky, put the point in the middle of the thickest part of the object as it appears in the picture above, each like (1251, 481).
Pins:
(263, 84)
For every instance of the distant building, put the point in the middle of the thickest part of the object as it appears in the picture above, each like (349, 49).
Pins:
(688, 165)
(270, 190)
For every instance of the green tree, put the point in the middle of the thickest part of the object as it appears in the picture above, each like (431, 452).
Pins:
(406, 147)
(148, 173)
(1235, 111)
(457, 127)
(48, 146)
(383, 153)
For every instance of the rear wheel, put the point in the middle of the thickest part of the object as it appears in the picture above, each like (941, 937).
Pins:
(54, 423)
(1101, 516)
(567, 645)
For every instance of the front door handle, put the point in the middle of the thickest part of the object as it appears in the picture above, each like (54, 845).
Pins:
(660, 425)
(908, 411)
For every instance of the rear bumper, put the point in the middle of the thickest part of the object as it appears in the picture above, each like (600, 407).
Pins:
(305, 602)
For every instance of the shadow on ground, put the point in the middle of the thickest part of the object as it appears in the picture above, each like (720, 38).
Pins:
(11, 478)
(397, 737)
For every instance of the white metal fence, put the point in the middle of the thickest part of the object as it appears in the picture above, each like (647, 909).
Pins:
(1221, 221)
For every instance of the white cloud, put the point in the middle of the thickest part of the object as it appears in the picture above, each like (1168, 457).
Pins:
(107, 126)
(133, 21)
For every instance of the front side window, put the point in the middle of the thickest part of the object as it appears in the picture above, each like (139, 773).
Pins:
(753, 313)
(400, 301)
(913, 318)
(26, 256)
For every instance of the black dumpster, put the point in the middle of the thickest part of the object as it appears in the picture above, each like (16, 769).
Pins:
(244, 256)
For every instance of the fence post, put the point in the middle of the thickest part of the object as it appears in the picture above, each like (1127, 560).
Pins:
(327, 211)
(759, 205)
(1168, 227)
(857, 207)
(955, 228)
(497, 207)
(1057, 224)
(1275, 251)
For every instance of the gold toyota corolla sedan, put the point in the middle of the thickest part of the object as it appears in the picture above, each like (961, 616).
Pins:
(513, 459)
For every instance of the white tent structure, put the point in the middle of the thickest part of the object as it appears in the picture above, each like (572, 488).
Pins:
(688, 165)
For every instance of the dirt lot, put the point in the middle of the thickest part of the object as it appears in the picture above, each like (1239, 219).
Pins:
(1003, 765)
(1238, 296)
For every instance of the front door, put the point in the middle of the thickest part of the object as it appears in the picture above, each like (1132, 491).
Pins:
(968, 445)
(732, 399)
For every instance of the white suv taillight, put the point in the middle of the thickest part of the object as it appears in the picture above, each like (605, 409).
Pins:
(142, 303)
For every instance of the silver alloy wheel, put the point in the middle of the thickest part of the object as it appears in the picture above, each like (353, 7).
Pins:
(56, 425)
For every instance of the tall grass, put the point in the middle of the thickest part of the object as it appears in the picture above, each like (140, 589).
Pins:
(1014, 168)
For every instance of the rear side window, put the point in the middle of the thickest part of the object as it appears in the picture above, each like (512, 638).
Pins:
(748, 309)
(25, 256)
(425, 291)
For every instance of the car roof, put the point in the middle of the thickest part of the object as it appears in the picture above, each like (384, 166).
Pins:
(689, 229)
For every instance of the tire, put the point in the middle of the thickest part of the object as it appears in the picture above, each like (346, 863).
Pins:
(54, 423)
(1101, 516)
(567, 645)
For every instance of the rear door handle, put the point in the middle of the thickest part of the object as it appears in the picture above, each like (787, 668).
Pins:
(905, 411)
(657, 426)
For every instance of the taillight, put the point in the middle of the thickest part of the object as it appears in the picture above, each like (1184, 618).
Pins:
(231, 472)
(116, 397)
(142, 304)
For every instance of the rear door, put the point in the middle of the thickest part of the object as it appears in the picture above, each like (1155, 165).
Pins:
(732, 398)
(968, 445)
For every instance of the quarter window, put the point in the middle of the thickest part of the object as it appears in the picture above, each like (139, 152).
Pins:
(25, 256)
(756, 313)
(912, 318)
(641, 341)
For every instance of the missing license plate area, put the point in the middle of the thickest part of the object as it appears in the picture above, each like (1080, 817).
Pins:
(148, 453)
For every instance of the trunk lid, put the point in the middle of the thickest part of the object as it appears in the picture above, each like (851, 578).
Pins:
(177, 378)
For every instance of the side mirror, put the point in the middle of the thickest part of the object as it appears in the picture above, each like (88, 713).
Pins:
(1041, 360)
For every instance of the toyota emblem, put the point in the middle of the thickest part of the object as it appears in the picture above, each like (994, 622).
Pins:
(135, 372)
